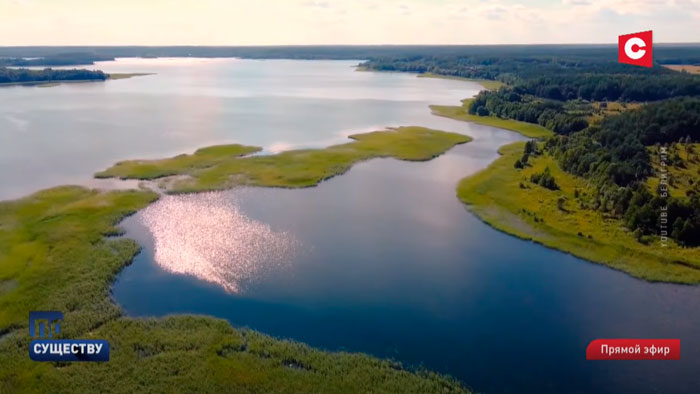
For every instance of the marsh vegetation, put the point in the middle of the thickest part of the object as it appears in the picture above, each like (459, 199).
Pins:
(223, 167)
(58, 254)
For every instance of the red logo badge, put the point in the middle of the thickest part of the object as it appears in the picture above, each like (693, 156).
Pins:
(635, 49)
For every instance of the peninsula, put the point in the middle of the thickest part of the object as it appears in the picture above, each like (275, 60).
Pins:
(60, 253)
(223, 167)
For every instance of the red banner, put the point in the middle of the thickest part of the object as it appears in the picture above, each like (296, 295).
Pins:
(634, 349)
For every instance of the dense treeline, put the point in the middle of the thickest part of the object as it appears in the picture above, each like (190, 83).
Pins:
(543, 100)
(442, 56)
(512, 69)
(60, 59)
(509, 103)
(612, 87)
(563, 73)
(614, 155)
(23, 75)
(571, 66)
(616, 148)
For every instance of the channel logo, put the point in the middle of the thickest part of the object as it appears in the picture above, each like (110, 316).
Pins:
(47, 324)
(635, 49)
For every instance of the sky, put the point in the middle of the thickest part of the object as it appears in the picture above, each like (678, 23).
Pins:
(310, 22)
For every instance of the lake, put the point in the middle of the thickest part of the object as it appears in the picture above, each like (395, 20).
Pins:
(383, 259)
(63, 134)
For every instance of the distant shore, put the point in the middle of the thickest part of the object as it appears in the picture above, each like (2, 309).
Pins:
(488, 84)
(485, 83)
(56, 82)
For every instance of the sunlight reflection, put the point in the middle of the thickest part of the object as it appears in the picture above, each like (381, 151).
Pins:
(206, 235)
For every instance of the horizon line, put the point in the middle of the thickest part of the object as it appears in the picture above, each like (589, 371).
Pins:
(326, 45)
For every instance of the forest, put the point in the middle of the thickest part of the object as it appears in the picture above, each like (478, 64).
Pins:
(569, 93)
(512, 64)
(458, 60)
(510, 103)
(23, 75)
(58, 59)
(615, 156)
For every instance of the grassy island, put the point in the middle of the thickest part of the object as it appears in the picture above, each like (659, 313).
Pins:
(461, 113)
(55, 254)
(222, 167)
(506, 198)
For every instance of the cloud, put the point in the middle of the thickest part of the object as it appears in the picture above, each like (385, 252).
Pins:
(280, 22)
(493, 12)
(577, 2)
(316, 4)
(635, 7)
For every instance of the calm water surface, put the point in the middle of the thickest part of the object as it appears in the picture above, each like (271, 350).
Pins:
(383, 259)
(63, 134)
(392, 264)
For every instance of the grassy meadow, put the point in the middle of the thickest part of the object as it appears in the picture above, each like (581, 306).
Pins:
(56, 253)
(683, 169)
(181, 164)
(222, 167)
(504, 197)
(689, 68)
(601, 110)
(461, 113)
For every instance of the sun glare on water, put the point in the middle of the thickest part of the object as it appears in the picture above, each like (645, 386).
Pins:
(206, 235)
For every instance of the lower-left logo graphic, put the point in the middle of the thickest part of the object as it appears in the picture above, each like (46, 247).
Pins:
(47, 325)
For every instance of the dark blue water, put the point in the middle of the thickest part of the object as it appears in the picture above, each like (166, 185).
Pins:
(392, 264)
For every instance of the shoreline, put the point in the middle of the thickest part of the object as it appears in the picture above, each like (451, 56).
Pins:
(56, 82)
(73, 228)
(219, 350)
(50, 83)
(487, 84)
(495, 196)
(460, 113)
